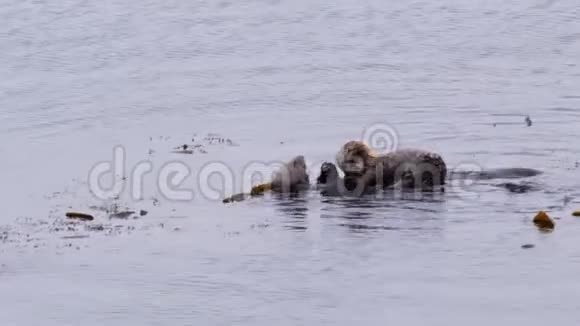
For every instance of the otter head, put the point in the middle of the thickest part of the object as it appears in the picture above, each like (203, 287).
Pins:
(297, 169)
(298, 162)
(354, 158)
(291, 176)
(328, 174)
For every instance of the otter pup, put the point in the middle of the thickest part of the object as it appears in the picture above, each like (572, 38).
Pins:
(328, 181)
(328, 174)
(406, 168)
(331, 184)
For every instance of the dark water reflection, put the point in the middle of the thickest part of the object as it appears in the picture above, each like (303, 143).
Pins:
(403, 211)
(293, 207)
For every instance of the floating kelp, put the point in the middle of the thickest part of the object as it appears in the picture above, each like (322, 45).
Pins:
(79, 216)
(261, 189)
(256, 191)
(544, 222)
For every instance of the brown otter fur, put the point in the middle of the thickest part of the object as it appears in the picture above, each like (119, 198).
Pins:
(292, 177)
(407, 168)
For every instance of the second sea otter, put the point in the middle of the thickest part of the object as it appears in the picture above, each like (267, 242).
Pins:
(406, 168)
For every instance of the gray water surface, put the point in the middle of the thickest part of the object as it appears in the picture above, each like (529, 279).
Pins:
(282, 78)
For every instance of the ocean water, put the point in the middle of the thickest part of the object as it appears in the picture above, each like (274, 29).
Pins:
(252, 83)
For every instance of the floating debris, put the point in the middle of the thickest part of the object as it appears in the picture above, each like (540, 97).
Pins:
(528, 121)
(528, 246)
(234, 198)
(543, 221)
(97, 227)
(216, 139)
(183, 149)
(199, 144)
(79, 236)
(143, 212)
(260, 226)
(122, 215)
(256, 191)
(517, 188)
(79, 216)
(576, 213)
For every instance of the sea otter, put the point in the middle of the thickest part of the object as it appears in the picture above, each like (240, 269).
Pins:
(330, 183)
(366, 171)
(406, 168)
(292, 177)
